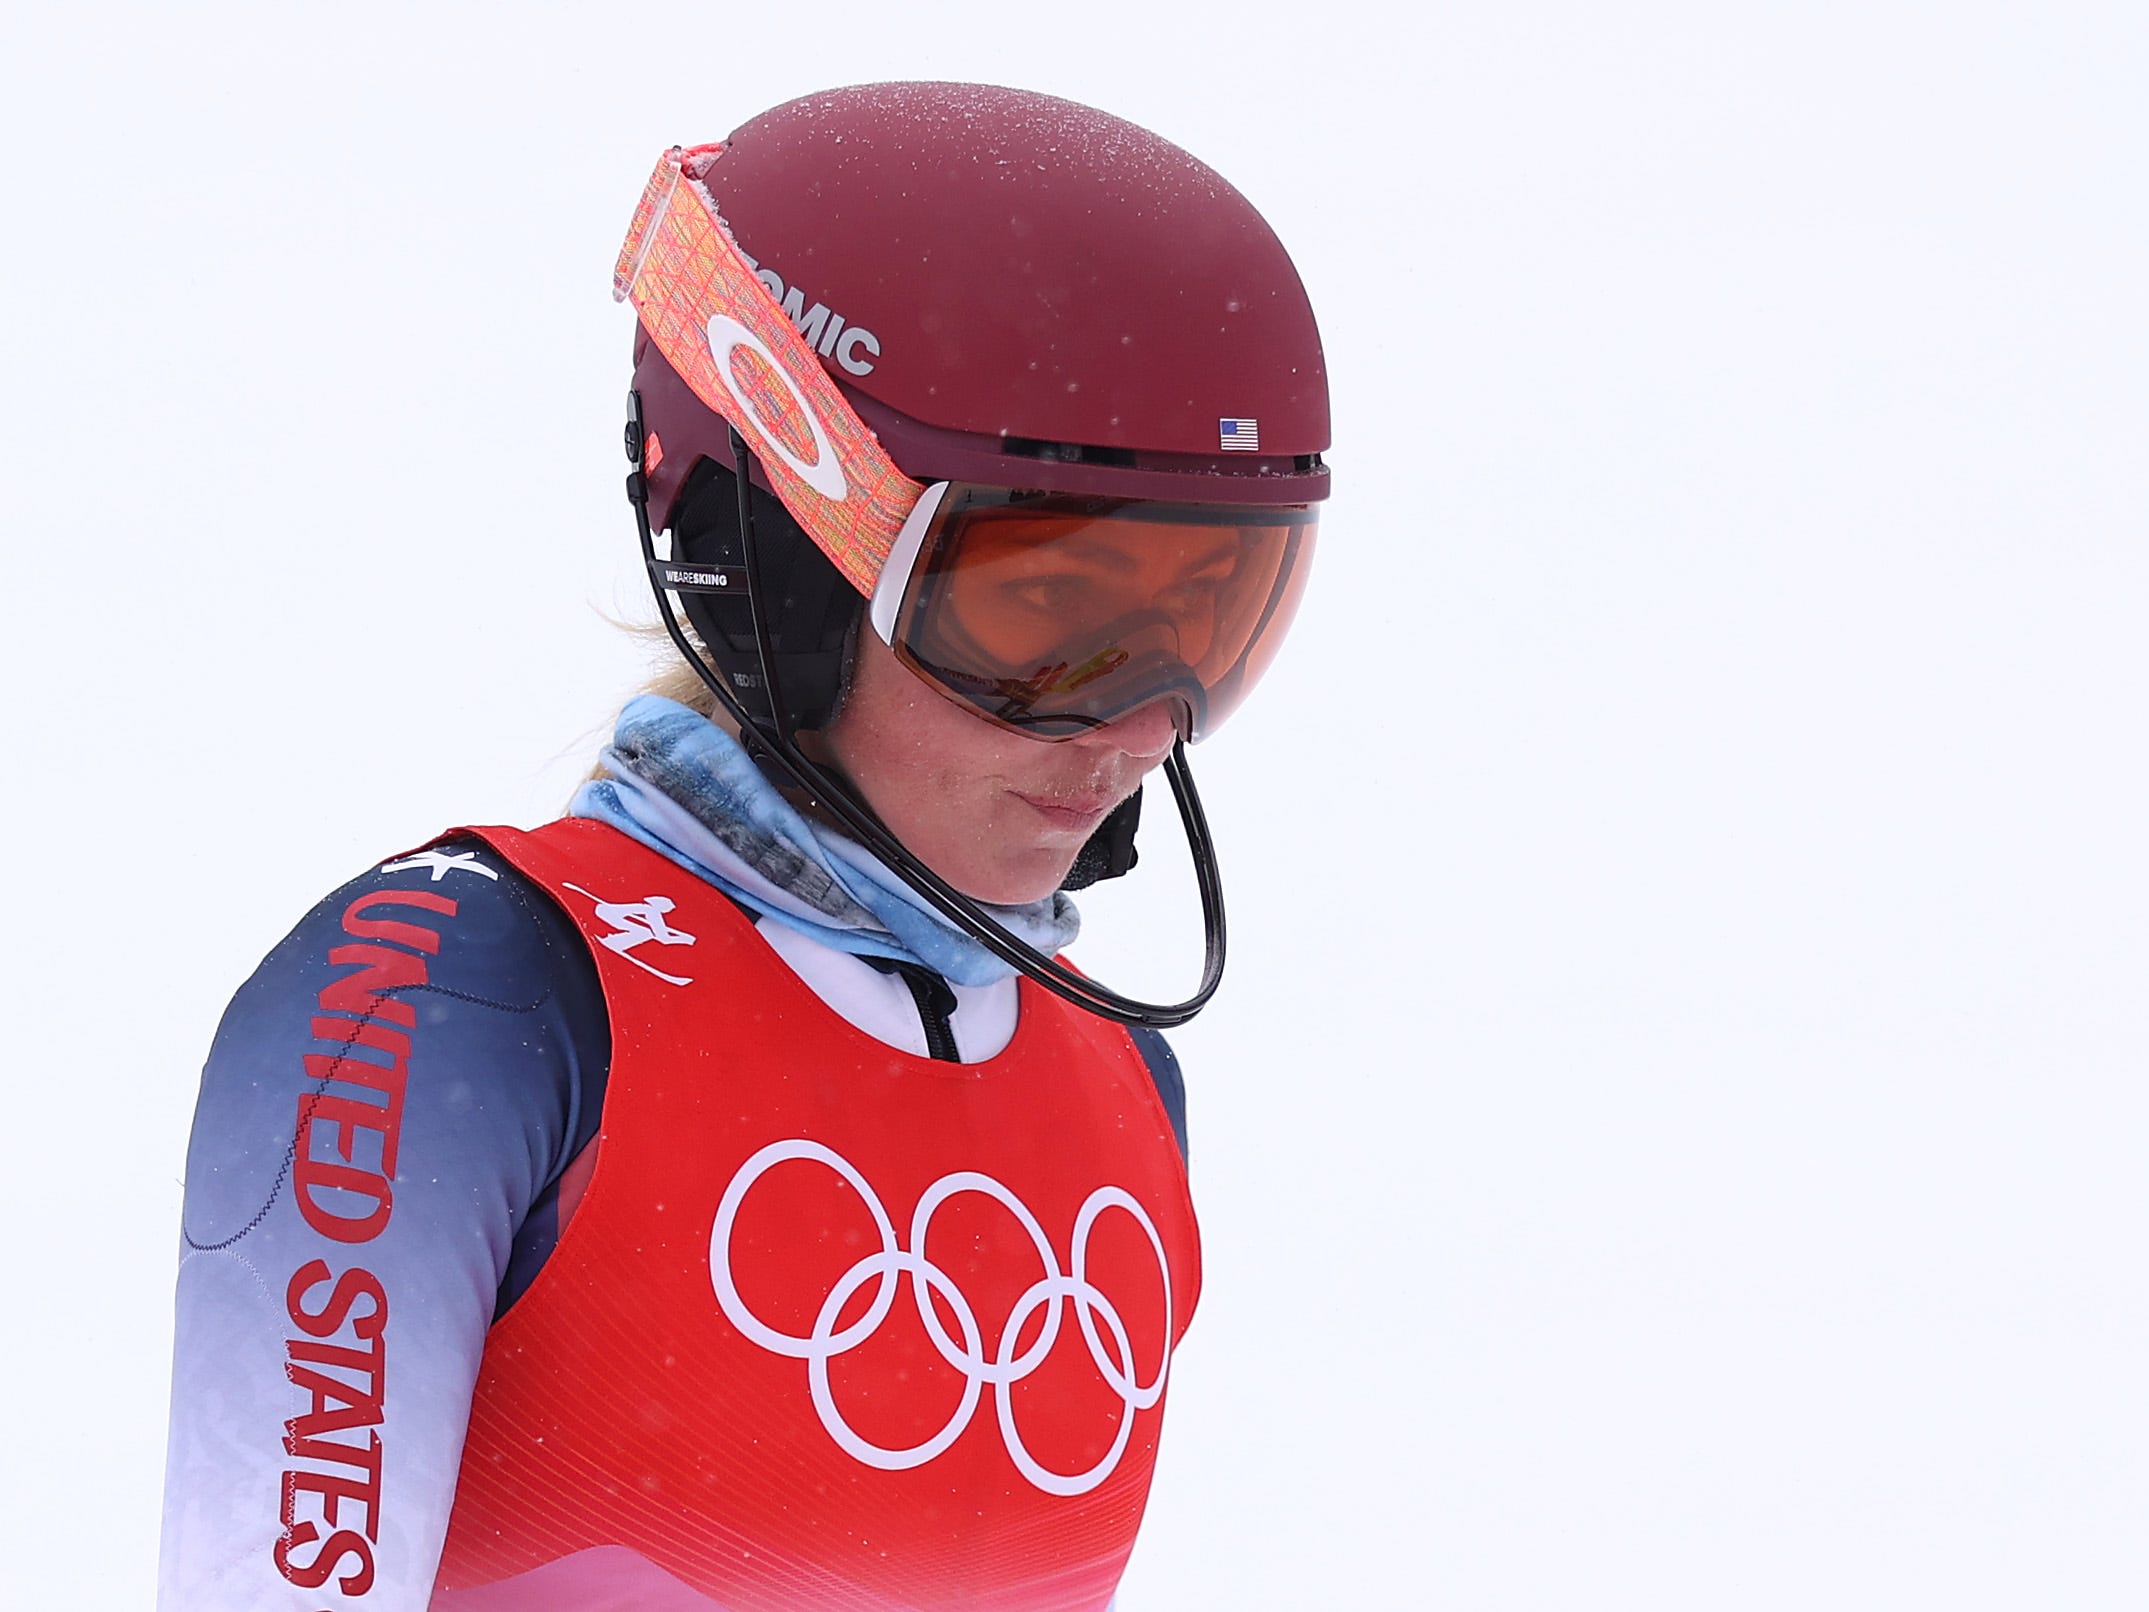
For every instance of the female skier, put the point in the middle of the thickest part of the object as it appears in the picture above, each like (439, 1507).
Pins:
(724, 1198)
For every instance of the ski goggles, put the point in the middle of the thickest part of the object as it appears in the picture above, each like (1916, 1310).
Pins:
(1053, 614)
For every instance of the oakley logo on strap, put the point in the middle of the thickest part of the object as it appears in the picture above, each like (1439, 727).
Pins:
(823, 473)
(983, 1362)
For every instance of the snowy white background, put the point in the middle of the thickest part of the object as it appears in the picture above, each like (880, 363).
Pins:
(1673, 1136)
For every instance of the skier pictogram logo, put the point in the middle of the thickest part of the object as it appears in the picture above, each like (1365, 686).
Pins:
(636, 923)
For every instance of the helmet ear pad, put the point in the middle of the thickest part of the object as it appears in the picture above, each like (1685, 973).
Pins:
(808, 607)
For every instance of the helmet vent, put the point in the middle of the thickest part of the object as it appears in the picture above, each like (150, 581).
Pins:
(1067, 453)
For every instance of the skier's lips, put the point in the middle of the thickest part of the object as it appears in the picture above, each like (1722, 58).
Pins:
(1074, 813)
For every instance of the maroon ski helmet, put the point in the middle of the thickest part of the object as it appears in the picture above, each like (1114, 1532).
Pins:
(1017, 290)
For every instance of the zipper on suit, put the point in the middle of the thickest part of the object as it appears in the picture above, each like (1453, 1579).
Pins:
(936, 1005)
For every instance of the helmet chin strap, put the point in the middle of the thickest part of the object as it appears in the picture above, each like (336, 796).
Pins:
(779, 744)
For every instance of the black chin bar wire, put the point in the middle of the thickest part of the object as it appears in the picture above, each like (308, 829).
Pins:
(781, 747)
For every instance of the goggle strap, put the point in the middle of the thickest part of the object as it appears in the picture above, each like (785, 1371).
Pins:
(708, 312)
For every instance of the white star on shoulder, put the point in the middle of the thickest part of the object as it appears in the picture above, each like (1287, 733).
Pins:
(442, 863)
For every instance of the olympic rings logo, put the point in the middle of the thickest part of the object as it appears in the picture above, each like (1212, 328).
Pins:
(998, 1366)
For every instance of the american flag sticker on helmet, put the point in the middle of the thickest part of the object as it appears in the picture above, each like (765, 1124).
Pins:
(1239, 436)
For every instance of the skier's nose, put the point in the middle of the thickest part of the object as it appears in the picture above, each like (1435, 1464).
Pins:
(1145, 734)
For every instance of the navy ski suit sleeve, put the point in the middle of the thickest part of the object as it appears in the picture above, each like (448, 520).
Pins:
(382, 1123)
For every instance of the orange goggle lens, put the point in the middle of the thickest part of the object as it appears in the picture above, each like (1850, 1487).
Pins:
(1053, 614)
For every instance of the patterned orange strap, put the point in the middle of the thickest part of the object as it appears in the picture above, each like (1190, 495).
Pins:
(731, 341)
